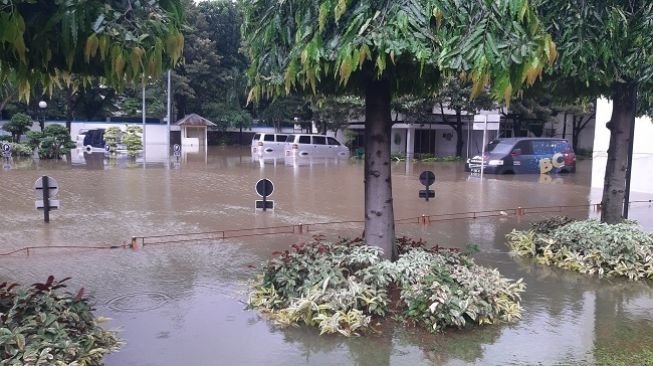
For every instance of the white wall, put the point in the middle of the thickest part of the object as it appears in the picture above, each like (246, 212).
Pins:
(586, 138)
(154, 133)
(642, 173)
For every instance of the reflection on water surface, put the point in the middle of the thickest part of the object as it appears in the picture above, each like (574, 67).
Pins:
(184, 303)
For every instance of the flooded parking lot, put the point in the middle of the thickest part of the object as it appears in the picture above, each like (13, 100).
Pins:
(183, 303)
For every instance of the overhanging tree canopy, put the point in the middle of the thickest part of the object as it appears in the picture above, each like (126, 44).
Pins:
(382, 47)
(44, 42)
(606, 48)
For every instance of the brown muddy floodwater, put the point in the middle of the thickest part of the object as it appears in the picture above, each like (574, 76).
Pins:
(183, 304)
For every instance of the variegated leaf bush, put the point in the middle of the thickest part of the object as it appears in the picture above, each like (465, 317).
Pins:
(344, 287)
(40, 325)
(591, 247)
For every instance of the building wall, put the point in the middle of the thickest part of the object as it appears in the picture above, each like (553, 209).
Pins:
(154, 133)
(586, 138)
(641, 178)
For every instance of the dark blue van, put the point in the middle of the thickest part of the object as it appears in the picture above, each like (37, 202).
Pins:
(526, 155)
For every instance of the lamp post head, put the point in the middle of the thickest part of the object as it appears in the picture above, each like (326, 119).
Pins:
(43, 104)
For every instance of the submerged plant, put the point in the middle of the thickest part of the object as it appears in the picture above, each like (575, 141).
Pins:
(133, 140)
(341, 287)
(589, 247)
(39, 325)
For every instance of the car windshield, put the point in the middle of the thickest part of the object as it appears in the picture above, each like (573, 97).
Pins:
(499, 147)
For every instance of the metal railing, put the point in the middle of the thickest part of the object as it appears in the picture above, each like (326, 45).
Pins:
(301, 229)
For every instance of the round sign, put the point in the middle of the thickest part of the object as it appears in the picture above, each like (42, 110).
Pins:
(264, 187)
(107, 148)
(427, 178)
(52, 185)
(176, 148)
(6, 147)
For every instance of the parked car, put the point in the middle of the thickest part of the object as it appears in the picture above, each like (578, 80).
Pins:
(271, 144)
(91, 140)
(526, 155)
(314, 146)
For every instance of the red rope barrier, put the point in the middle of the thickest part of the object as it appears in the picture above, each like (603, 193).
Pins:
(304, 228)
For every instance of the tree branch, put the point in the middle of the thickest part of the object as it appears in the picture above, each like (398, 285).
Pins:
(584, 124)
(444, 119)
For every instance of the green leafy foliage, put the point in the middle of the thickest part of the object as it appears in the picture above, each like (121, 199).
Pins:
(605, 51)
(425, 157)
(601, 43)
(588, 247)
(549, 225)
(20, 149)
(306, 45)
(53, 142)
(46, 42)
(40, 325)
(19, 124)
(335, 112)
(133, 140)
(112, 136)
(340, 287)
(212, 81)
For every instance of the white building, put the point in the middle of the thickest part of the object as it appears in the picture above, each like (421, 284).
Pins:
(641, 178)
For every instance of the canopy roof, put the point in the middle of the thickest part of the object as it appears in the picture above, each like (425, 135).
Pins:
(194, 120)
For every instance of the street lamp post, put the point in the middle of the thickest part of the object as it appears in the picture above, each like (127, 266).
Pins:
(42, 106)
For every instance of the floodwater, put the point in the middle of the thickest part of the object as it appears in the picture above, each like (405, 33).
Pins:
(183, 303)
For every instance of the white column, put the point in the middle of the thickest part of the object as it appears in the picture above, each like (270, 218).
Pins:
(410, 143)
(168, 116)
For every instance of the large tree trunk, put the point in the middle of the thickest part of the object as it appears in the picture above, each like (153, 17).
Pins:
(624, 106)
(379, 213)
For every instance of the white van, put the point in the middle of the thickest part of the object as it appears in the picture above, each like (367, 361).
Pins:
(268, 144)
(315, 146)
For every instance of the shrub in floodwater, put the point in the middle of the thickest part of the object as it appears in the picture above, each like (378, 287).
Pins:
(547, 226)
(52, 142)
(590, 247)
(340, 287)
(111, 137)
(41, 326)
(20, 149)
(133, 140)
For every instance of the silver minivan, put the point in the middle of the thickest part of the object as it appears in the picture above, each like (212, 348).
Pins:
(271, 144)
(315, 146)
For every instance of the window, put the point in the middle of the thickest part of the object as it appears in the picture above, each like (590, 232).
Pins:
(268, 138)
(333, 141)
(319, 140)
(304, 139)
(257, 136)
(525, 147)
(281, 138)
(547, 147)
(499, 147)
(290, 138)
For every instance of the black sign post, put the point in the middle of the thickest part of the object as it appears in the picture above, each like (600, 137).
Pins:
(6, 151)
(264, 188)
(176, 149)
(427, 178)
(48, 187)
